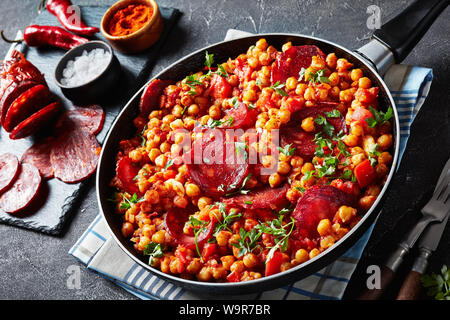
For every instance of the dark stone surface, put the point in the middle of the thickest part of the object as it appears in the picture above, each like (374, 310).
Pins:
(33, 265)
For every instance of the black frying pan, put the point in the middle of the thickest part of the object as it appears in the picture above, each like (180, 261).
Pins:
(389, 45)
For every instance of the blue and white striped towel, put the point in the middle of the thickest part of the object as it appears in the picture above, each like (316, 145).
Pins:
(97, 249)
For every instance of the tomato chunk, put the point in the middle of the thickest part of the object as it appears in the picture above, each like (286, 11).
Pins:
(220, 88)
(274, 264)
(365, 174)
(126, 172)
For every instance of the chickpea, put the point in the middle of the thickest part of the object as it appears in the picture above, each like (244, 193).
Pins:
(285, 266)
(261, 44)
(176, 266)
(233, 80)
(192, 190)
(308, 166)
(364, 83)
(284, 116)
(151, 196)
(345, 96)
(334, 92)
(297, 162)
(193, 109)
(356, 74)
(286, 46)
(250, 260)
(301, 255)
(203, 202)
(308, 124)
(159, 237)
(310, 94)
(180, 202)
(204, 274)
(283, 168)
(356, 129)
(382, 170)
(346, 213)
(314, 252)
(223, 237)
(324, 227)
(214, 112)
(186, 100)
(385, 158)
(327, 242)
(143, 242)
(385, 141)
(249, 95)
(253, 62)
(317, 63)
(164, 147)
(161, 160)
(331, 60)
(275, 180)
(264, 59)
(373, 190)
(127, 229)
(165, 264)
(300, 89)
(227, 261)
(350, 140)
(135, 155)
(194, 266)
(366, 202)
(237, 266)
(291, 83)
(334, 79)
(219, 272)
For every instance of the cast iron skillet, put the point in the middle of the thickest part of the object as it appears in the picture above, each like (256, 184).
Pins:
(390, 44)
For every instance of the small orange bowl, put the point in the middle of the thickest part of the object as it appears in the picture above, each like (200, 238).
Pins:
(139, 40)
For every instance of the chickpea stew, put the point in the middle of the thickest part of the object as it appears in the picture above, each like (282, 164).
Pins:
(253, 166)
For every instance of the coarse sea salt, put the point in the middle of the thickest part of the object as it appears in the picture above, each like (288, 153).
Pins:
(86, 67)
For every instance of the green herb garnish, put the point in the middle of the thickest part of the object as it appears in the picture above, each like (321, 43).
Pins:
(280, 233)
(379, 117)
(287, 150)
(278, 87)
(128, 203)
(438, 284)
(248, 241)
(154, 250)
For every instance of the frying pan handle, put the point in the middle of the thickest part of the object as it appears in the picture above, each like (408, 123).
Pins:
(395, 39)
(402, 33)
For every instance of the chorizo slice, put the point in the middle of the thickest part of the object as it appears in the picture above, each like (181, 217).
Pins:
(23, 191)
(302, 141)
(217, 165)
(26, 104)
(317, 203)
(240, 118)
(90, 118)
(11, 94)
(126, 174)
(35, 121)
(9, 169)
(39, 156)
(74, 156)
(289, 63)
(266, 198)
(150, 95)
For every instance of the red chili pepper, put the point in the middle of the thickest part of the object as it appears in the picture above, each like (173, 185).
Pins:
(68, 17)
(38, 36)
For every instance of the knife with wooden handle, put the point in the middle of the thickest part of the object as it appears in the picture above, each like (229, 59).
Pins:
(427, 245)
(395, 259)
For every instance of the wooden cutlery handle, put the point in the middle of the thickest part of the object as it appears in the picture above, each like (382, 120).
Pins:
(411, 287)
(385, 279)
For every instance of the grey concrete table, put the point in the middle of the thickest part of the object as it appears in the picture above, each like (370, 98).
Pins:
(34, 266)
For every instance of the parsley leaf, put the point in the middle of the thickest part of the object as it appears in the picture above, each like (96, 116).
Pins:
(128, 203)
(373, 155)
(438, 284)
(379, 117)
(327, 127)
(248, 241)
(241, 149)
(279, 232)
(287, 150)
(192, 82)
(154, 250)
(198, 227)
(333, 113)
(209, 60)
(278, 87)
(241, 189)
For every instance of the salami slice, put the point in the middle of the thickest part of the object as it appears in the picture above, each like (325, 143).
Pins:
(266, 198)
(35, 121)
(9, 169)
(90, 118)
(174, 221)
(318, 202)
(126, 173)
(11, 94)
(74, 156)
(222, 167)
(240, 118)
(26, 104)
(23, 191)
(39, 156)
(302, 141)
(289, 63)
(150, 96)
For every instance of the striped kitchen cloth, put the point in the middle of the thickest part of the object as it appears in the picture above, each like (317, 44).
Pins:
(99, 252)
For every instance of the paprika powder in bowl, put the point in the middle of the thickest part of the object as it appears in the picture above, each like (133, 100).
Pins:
(132, 26)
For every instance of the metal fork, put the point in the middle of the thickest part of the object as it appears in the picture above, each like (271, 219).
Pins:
(434, 211)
